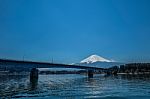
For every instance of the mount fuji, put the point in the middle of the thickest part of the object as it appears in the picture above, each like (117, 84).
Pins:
(95, 58)
(98, 61)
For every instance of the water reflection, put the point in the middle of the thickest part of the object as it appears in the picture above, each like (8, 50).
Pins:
(33, 84)
(75, 86)
(10, 84)
(136, 77)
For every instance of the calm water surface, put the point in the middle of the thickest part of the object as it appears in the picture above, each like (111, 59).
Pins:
(74, 86)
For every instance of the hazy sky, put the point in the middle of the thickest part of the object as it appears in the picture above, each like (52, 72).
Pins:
(70, 30)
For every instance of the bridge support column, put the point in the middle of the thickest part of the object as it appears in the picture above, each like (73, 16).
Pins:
(90, 73)
(34, 77)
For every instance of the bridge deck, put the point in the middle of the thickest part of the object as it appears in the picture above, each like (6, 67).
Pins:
(49, 65)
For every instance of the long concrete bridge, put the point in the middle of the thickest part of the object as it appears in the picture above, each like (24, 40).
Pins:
(32, 67)
(33, 64)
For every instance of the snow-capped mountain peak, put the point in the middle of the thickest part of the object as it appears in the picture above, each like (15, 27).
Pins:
(95, 58)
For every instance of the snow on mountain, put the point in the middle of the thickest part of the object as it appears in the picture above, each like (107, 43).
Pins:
(98, 61)
(95, 58)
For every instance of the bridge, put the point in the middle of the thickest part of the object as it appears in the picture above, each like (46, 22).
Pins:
(32, 67)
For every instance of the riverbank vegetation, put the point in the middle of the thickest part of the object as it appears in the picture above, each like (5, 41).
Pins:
(132, 68)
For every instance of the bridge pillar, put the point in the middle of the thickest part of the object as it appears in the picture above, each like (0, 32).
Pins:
(108, 72)
(90, 73)
(114, 72)
(34, 77)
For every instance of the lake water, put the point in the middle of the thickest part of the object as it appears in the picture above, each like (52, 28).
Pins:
(75, 86)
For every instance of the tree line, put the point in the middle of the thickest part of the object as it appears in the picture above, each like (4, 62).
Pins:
(131, 68)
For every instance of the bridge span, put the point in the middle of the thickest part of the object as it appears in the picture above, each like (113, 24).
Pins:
(32, 67)
(33, 64)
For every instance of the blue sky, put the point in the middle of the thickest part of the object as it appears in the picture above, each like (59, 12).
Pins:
(70, 30)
